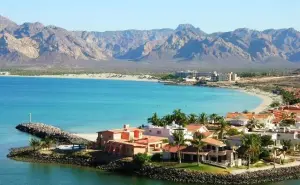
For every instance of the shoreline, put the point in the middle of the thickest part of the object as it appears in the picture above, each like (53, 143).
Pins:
(100, 76)
(266, 98)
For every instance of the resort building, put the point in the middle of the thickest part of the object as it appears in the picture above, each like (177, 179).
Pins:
(214, 152)
(168, 130)
(228, 77)
(129, 141)
(242, 119)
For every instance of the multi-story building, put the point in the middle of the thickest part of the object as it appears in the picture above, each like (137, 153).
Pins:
(129, 141)
(168, 131)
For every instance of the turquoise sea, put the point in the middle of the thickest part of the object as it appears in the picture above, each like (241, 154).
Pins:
(89, 106)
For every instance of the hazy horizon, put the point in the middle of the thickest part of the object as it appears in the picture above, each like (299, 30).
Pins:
(209, 16)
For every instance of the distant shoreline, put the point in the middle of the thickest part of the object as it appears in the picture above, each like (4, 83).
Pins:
(266, 98)
(100, 76)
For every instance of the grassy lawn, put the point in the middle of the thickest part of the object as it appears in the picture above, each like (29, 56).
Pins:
(195, 167)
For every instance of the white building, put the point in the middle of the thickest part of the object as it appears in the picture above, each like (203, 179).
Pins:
(168, 131)
(242, 119)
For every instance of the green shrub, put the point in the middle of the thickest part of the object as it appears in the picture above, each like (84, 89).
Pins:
(141, 159)
(156, 157)
(232, 132)
(264, 154)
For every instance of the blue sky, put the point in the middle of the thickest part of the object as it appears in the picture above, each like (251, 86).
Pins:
(208, 15)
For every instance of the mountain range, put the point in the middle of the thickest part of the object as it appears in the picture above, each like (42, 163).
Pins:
(37, 43)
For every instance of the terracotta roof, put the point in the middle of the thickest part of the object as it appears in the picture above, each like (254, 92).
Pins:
(149, 139)
(118, 142)
(172, 149)
(122, 130)
(212, 141)
(194, 127)
(237, 115)
(207, 134)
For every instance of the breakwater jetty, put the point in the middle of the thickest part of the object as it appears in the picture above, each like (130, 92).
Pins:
(42, 130)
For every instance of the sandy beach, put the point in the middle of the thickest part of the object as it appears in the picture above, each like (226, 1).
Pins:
(100, 76)
(266, 97)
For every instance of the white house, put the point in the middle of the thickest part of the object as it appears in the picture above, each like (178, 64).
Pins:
(241, 119)
(168, 130)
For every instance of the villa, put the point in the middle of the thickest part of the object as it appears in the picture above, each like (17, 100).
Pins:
(129, 142)
(215, 152)
(168, 131)
(242, 119)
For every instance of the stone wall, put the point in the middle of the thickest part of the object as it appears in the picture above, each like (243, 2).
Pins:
(164, 173)
(42, 130)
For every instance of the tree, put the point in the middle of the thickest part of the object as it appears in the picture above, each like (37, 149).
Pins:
(222, 127)
(179, 117)
(203, 118)
(245, 111)
(198, 143)
(287, 145)
(167, 120)
(192, 118)
(213, 117)
(35, 143)
(275, 104)
(178, 140)
(253, 123)
(46, 142)
(266, 140)
(154, 120)
(141, 159)
(252, 144)
(233, 132)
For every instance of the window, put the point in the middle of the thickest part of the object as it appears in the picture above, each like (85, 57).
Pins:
(158, 132)
(150, 130)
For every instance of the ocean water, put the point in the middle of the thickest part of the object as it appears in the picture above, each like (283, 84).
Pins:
(89, 106)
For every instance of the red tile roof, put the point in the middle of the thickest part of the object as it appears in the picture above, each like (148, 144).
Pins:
(212, 141)
(237, 115)
(172, 149)
(194, 127)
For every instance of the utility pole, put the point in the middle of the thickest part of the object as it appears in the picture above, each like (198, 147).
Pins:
(29, 117)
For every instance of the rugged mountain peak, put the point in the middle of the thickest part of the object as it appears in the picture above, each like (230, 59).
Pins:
(184, 27)
(5, 22)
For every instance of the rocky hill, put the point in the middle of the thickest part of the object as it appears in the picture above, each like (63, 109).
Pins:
(34, 42)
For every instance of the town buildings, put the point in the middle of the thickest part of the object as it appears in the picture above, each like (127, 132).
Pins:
(214, 152)
(242, 119)
(129, 142)
(168, 130)
(193, 76)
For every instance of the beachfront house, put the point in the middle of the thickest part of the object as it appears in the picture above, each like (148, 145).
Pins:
(215, 152)
(168, 131)
(129, 142)
(242, 119)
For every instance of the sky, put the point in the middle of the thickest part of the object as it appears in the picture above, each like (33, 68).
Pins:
(209, 15)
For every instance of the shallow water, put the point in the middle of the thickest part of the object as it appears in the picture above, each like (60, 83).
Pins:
(89, 106)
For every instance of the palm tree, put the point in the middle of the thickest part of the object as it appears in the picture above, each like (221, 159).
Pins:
(253, 123)
(223, 126)
(198, 143)
(34, 143)
(154, 120)
(179, 117)
(252, 144)
(213, 117)
(47, 142)
(192, 118)
(287, 144)
(167, 119)
(203, 118)
(178, 140)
